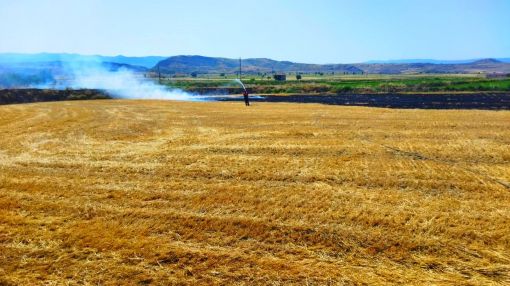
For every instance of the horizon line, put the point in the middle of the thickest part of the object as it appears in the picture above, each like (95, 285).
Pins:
(373, 61)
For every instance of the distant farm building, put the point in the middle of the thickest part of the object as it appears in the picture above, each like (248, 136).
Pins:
(280, 77)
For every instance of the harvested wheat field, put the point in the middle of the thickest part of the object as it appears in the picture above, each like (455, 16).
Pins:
(160, 192)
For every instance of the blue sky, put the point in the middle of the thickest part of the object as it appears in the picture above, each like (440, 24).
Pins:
(319, 31)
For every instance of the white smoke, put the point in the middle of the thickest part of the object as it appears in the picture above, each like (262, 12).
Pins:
(78, 72)
(121, 83)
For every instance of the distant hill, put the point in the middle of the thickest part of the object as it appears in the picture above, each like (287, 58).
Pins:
(204, 65)
(40, 73)
(430, 61)
(201, 64)
(11, 58)
(420, 61)
(486, 62)
(113, 66)
(479, 66)
(146, 62)
(29, 69)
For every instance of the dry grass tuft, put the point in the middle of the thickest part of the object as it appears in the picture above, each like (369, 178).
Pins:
(148, 192)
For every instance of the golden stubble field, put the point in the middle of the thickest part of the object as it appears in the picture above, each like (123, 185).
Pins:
(159, 192)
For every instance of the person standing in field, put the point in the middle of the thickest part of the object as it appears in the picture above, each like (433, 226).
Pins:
(246, 99)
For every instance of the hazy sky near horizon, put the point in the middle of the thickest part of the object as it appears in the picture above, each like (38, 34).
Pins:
(320, 31)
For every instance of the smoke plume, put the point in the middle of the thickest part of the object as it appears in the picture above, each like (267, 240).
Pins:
(121, 83)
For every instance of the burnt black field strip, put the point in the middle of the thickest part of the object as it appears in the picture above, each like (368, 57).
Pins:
(485, 101)
(482, 101)
(28, 95)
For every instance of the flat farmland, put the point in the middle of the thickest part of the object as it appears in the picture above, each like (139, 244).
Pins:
(161, 192)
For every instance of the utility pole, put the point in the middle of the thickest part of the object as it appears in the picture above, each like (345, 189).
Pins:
(240, 70)
(159, 75)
